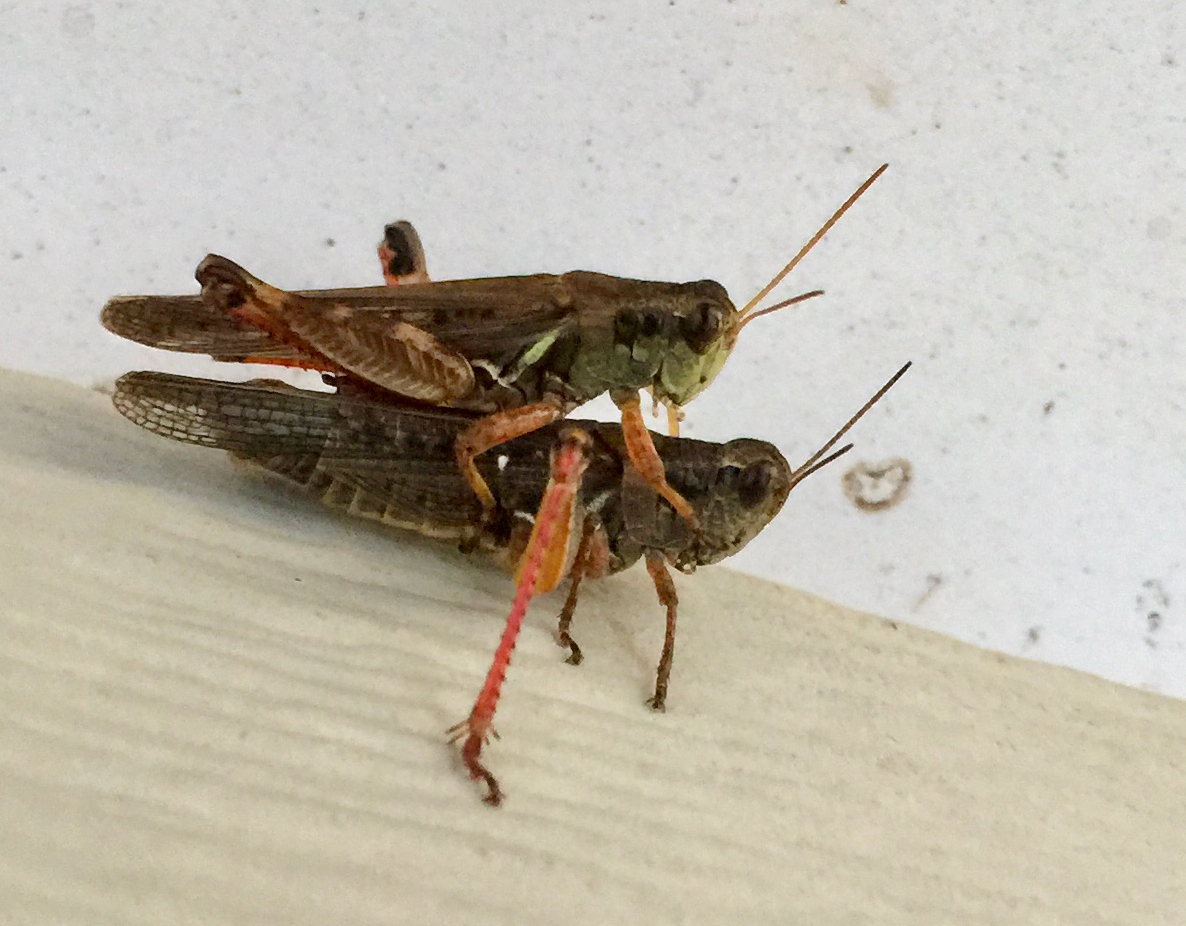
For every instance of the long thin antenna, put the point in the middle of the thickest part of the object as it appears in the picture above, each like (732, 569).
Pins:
(827, 226)
(803, 471)
(815, 462)
(802, 297)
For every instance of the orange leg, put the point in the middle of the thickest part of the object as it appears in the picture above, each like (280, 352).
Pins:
(553, 523)
(674, 416)
(657, 567)
(545, 559)
(497, 429)
(229, 287)
(645, 458)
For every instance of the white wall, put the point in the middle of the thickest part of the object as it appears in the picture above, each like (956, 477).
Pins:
(1025, 249)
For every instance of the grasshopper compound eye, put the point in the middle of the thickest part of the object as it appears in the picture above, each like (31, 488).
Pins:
(749, 483)
(701, 327)
(753, 485)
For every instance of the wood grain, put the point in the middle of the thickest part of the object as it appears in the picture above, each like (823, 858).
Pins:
(221, 703)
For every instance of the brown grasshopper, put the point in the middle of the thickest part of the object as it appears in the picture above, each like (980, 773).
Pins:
(395, 463)
(520, 351)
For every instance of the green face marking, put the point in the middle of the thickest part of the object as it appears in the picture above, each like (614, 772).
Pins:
(700, 344)
(685, 373)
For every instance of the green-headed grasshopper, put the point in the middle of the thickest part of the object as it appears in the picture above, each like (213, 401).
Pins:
(522, 351)
(395, 463)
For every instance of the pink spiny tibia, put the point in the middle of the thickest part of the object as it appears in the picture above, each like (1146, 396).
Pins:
(540, 569)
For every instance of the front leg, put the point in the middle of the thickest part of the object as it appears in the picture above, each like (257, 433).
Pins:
(645, 458)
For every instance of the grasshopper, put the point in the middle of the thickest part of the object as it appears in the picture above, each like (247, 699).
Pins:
(521, 351)
(395, 463)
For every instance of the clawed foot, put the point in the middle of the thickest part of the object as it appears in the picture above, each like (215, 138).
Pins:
(475, 738)
(575, 656)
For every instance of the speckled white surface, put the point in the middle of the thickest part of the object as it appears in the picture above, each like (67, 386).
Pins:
(223, 703)
(1026, 248)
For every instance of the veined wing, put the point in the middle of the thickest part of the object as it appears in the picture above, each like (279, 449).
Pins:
(401, 456)
(188, 324)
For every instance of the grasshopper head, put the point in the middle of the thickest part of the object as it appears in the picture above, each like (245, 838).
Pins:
(747, 488)
(744, 488)
(701, 338)
(707, 333)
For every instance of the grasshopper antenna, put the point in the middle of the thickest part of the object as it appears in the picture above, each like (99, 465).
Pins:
(745, 315)
(794, 300)
(804, 471)
(815, 462)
